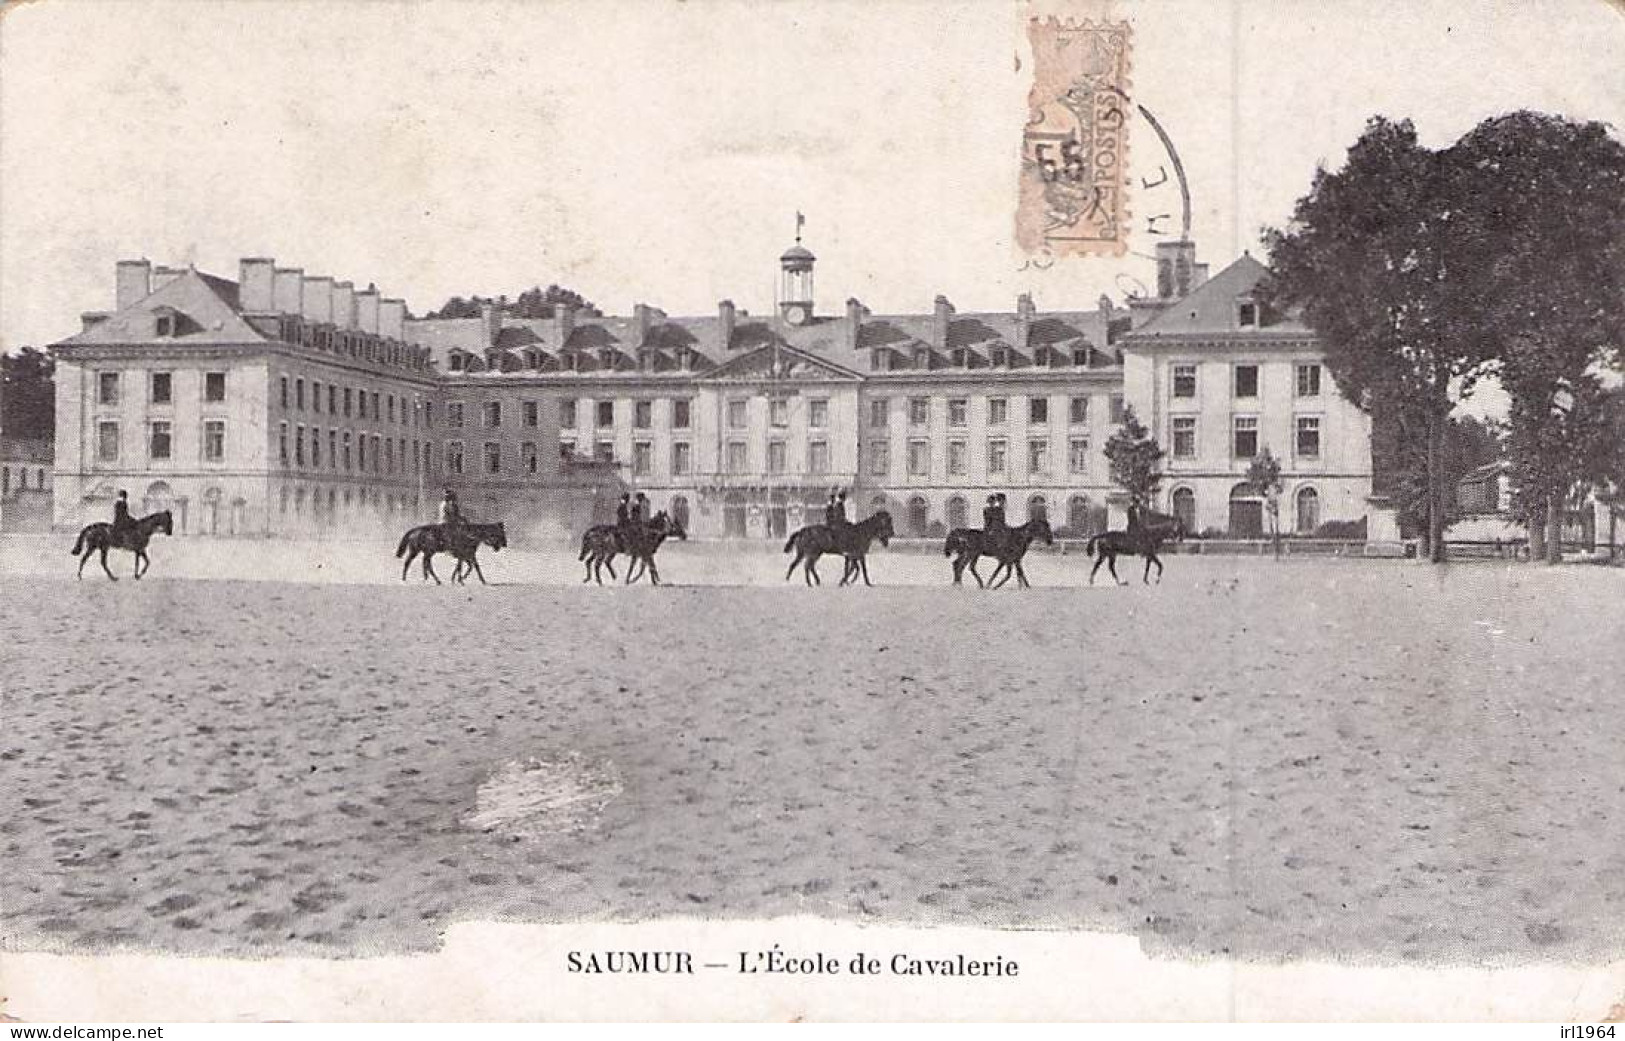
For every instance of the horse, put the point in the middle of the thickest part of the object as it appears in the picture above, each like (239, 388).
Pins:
(970, 544)
(660, 528)
(601, 543)
(1146, 533)
(429, 539)
(99, 537)
(851, 541)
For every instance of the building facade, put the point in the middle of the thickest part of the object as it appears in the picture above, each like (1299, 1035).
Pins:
(286, 403)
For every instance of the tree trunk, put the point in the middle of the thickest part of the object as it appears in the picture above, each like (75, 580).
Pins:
(1554, 530)
(1536, 523)
(1435, 489)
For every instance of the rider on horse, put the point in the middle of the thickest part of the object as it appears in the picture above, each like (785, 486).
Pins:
(993, 523)
(123, 523)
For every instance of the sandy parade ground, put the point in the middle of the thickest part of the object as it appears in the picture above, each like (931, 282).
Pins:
(277, 748)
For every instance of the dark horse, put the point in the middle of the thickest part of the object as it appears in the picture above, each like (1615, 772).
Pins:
(601, 543)
(99, 537)
(971, 544)
(429, 539)
(1147, 531)
(851, 541)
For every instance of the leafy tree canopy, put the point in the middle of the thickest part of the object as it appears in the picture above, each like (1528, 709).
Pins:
(28, 395)
(1134, 458)
(534, 302)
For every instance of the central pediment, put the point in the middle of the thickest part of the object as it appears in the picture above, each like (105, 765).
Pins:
(780, 362)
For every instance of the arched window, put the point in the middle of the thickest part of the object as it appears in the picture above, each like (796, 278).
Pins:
(876, 504)
(1038, 509)
(1077, 514)
(1246, 512)
(919, 515)
(956, 512)
(1308, 511)
(678, 508)
(1184, 502)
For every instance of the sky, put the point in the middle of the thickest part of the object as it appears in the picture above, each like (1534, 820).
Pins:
(657, 152)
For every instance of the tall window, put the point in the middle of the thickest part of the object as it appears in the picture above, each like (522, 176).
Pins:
(107, 441)
(1185, 508)
(880, 413)
(1038, 410)
(998, 456)
(214, 440)
(361, 452)
(1184, 381)
(315, 446)
(818, 413)
(347, 395)
(214, 386)
(493, 457)
(736, 458)
(1078, 411)
(643, 414)
(737, 413)
(778, 412)
(162, 388)
(347, 451)
(527, 457)
(298, 395)
(333, 449)
(1117, 410)
(919, 458)
(1246, 381)
(604, 413)
(528, 413)
(1309, 381)
(681, 458)
(958, 408)
(453, 457)
(1077, 455)
(107, 387)
(284, 395)
(1247, 315)
(642, 458)
(1038, 456)
(956, 458)
(315, 395)
(389, 408)
(680, 414)
(879, 457)
(282, 444)
(997, 411)
(1184, 437)
(818, 457)
(919, 411)
(454, 414)
(775, 457)
(1308, 439)
(567, 414)
(1245, 437)
(1308, 511)
(332, 399)
(158, 440)
(493, 414)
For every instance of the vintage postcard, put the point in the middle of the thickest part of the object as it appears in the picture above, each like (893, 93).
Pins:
(1098, 510)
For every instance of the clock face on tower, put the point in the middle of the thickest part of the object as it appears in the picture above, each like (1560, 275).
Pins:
(795, 314)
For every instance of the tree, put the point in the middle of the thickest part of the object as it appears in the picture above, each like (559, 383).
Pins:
(535, 302)
(1264, 476)
(28, 395)
(1399, 464)
(1542, 199)
(1134, 456)
(1368, 260)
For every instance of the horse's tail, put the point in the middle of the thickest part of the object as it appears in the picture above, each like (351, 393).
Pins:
(1089, 547)
(584, 546)
(955, 542)
(790, 543)
(400, 551)
(79, 543)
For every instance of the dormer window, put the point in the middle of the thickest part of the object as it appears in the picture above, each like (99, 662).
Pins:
(165, 325)
(880, 359)
(1041, 357)
(922, 358)
(606, 358)
(685, 358)
(1080, 357)
(1000, 357)
(960, 357)
(456, 363)
(1247, 315)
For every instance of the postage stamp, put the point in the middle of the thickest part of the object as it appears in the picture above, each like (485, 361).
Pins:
(1074, 146)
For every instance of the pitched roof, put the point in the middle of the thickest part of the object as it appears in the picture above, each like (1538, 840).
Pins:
(1211, 309)
(205, 306)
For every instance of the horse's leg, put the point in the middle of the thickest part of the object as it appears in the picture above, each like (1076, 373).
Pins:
(654, 572)
(105, 567)
(83, 559)
(1111, 565)
(140, 558)
(1098, 561)
(793, 563)
(411, 555)
(475, 561)
(975, 573)
(863, 563)
(811, 573)
(1004, 572)
(609, 562)
(428, 568)
(1021, 576)
(1150, 559)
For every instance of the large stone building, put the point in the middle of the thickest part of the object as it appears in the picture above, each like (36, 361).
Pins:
(289, 403)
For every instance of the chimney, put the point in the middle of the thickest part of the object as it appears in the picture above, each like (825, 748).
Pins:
(1200, 277)
(288, 294)
(344, 305)
(132, 281)
(855, 312)
(942, 313)
(91, 319)
(725, 326)
(644, 318)
(162, 276)
(318, 298)
(392, 319)
(564, 324)
(256, 283)
(1176, 269)
(490, 322)
(366, 310)
(1026, 314)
